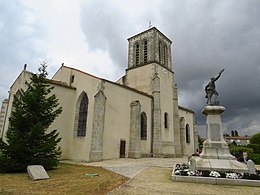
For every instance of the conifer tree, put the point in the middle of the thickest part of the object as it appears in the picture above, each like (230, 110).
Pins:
(28, 141)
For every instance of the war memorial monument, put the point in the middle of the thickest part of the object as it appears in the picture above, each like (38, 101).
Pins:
(215, 155)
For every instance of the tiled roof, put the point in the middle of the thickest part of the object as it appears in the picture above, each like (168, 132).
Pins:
(237, 137)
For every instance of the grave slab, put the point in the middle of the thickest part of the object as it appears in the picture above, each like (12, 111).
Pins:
(37, 172)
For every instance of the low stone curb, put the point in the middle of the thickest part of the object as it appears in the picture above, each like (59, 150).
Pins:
(216, 181)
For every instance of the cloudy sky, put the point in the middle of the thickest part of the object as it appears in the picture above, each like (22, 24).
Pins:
(92, 35)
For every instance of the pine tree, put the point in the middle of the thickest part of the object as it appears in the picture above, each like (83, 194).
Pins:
(28, 141)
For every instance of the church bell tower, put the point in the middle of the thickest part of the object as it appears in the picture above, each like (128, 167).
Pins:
(150, 70)
(149, 52)
(150, 46)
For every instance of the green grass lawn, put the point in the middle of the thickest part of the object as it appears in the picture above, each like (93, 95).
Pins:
(66, 179)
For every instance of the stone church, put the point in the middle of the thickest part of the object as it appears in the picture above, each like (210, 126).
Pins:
(134, 117)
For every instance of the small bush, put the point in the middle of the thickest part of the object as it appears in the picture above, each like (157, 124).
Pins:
(205, 173)
(255, 158)
(237, 151)
(222, 174)
(251, 176)
(184, 173)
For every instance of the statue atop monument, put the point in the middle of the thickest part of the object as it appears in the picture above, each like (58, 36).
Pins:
(211, 90)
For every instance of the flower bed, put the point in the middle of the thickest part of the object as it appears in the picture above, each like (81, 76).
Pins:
(183, 170)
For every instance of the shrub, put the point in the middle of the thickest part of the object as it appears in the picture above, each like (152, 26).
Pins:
(237, 151)
(255, 157)
(255, 142)
(251, 176)
(205, 173)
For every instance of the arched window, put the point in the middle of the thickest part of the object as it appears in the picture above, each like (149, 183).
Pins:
(166, 120)
(82, 116)
(165, 55)
(187, 134)
(137, 51)
(160, 51)
(145, 51)
(143, 126)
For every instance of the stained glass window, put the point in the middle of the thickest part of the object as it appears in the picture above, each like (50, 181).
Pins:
(143, 126)
(82, 120)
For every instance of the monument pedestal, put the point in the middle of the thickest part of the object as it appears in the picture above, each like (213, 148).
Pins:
(215, 154)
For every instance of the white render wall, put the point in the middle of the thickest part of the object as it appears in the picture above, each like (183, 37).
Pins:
(19, 83)
(77, 148)
(189, 119)
(64, 122)
(141, 78)
(117, 117)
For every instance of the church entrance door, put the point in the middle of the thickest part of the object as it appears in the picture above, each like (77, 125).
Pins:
(122, 148)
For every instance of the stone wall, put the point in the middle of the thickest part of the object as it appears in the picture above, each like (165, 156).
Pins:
(153, 36)
(176, 124)
(157, 134)
(135, 130)
(96, 151)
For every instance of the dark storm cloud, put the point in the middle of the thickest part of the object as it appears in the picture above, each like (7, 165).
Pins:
(18, 42)
(104, 29)
(108, 24)
(227, 36)
(207, 36)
